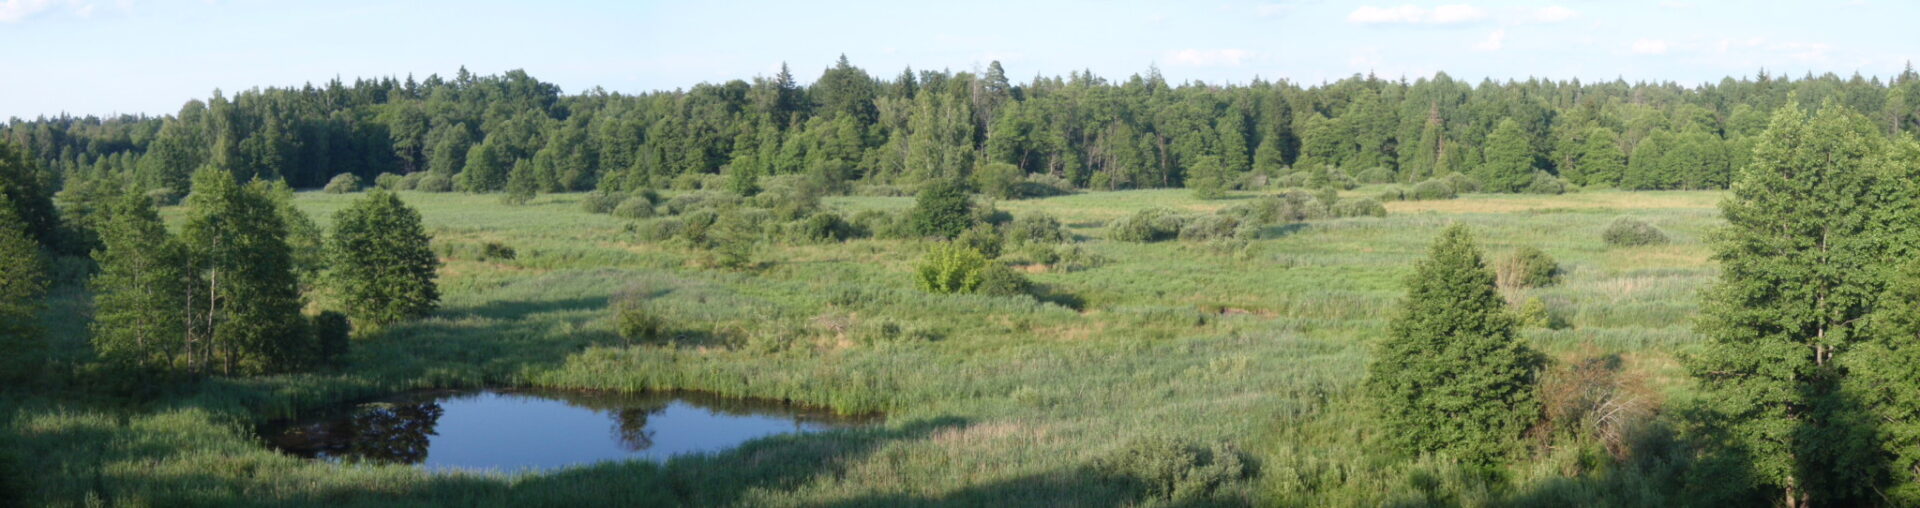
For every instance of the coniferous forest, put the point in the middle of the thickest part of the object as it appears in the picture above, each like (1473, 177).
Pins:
(964, 288)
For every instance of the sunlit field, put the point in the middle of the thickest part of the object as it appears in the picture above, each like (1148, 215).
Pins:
(987, 400)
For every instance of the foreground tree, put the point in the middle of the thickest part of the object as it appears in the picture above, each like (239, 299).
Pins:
(141, 290)
(384, 269)
(22, 280)
(1813, 223)
(249, 303)
(1452, 376)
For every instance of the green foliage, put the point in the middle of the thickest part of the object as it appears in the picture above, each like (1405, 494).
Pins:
(23, 279)
(140, 291)
(635, 207)
(1453, 376)
(1146, 225)
(827, 227)
(1632, 232)
(601, 201)
(1000, 180)
(1527, 267)
(1207, 178)
(1431, 190)
(387, 181)
(434, 182)
(236, 237)
(383, 267)
(998, 279)
(1509, 152)
(942, 210)
(1811, 225)
(982, 238)
(1544, 183)
(333, 333)
(342, 183)
(637, 323)
(497, 251)
(1036, 227)
(1358, 207)
(950, 267)
(1171, 469)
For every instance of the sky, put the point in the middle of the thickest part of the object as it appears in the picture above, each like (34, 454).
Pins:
(150, 56)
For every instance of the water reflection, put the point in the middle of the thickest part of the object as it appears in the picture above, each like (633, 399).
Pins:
(523, 429)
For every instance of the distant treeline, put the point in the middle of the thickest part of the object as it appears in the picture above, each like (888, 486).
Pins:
(850, 127)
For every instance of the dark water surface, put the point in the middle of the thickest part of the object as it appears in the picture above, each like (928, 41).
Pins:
(511, 430)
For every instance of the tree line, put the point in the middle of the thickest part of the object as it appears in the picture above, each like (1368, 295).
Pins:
(848, 127)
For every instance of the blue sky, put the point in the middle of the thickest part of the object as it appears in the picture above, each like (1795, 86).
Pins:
(147, 56)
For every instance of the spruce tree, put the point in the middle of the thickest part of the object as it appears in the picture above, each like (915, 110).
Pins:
(384, 269)
(1452, 376)
(1509, 154)
(1813, 224)
(22, 281)
(250, 302)
(141, 289)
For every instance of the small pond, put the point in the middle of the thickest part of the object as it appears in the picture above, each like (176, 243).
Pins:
(512, 430)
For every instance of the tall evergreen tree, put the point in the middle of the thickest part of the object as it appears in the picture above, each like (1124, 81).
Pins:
(141, 289)
(384, 269)
(1452, 376)
(1509, 154)
(1812, 225)
(22, 281)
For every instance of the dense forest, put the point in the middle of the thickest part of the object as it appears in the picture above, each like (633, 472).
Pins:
(850, 129)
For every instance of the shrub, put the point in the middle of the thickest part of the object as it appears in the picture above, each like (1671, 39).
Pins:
(331, 331)
(1073, 258)
(660, 230)
(1170, 469)
(882, 224)
(982, 238)
(434, 183)
(1211, 227)
(635, 322)
(1527, 267)
(1148, 225)
(950, 268)
(1037, 227)
(1000, 180)
(1462, 183)
(496, 250)
(942, 210)
(997, 279)
(1294, 179)
(342, 183)
(1041, 185)
(1632, 232)
(635, 207)
(826, 227)
(388, 181)
(600, 202)
(409, 181)
(1395, 193)
(1359, 207)
(1534, 313)
(1433, 189)
(1544, 183)
(702, 200)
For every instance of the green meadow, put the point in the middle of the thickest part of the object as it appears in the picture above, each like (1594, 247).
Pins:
(1257, 347)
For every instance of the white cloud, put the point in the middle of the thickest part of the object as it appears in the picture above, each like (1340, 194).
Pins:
(1650, 47)
(1494, 41)
(14, 11)
(1209, 57)
(1411, 14)
(1549, 14)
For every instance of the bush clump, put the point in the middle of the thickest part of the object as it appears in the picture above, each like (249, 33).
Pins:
(1431, 190)
(942, 210)
(388, 181)
(982, 238)
(496, 250)
(1359, 207)
(637, 323)
(950, 267)
(1211, 227)
(826, 227)
(1170, 469)
(342, 183)
(998, 279)
(635, 207)
(434, 183)
(1149, 225)
(1037, 227)
(1632, 232)
(1375, 175)
(1544, 183)
(1527, 267)
(600, 202)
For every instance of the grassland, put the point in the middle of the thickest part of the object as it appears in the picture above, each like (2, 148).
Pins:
(989, 400)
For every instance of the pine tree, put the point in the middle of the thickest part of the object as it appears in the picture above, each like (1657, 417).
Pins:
(1509, 154)
(1452, 376)
(22, 281)
(249, 307)
(140, 290)
(384, 269)
(1812, 224)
